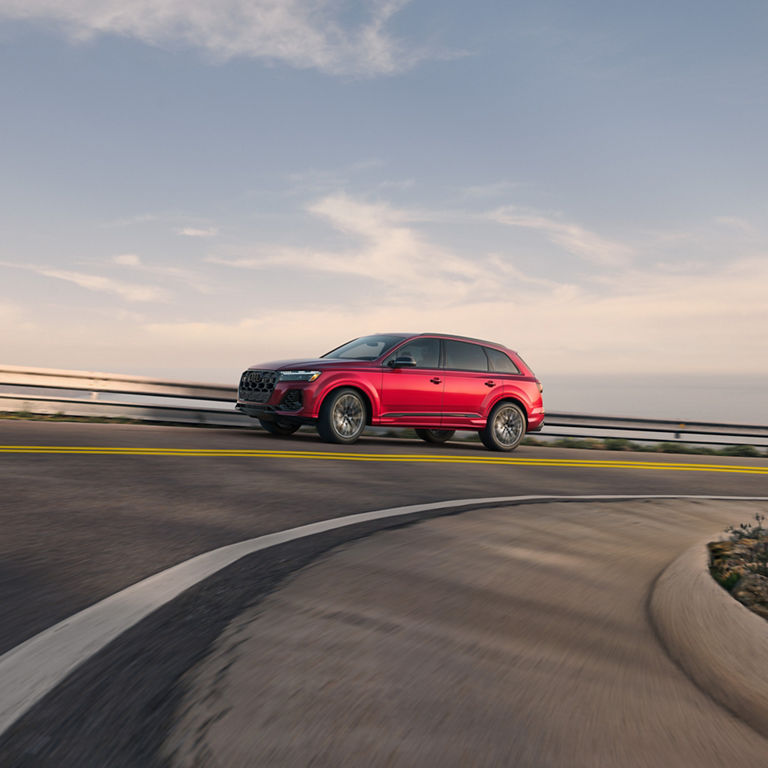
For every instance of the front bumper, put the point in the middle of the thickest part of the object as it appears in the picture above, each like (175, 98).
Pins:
(268, 412)
(272, 413)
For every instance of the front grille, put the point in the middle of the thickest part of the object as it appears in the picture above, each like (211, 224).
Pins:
(257, 386)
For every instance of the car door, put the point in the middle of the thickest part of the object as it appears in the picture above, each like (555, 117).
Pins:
(413, 395)
(468, 384)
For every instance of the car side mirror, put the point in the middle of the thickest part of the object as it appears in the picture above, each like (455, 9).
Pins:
(405, 361)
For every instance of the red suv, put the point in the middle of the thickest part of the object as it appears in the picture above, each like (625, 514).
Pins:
(431, 382)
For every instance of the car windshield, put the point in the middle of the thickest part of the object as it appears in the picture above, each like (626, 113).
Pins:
(365, 348)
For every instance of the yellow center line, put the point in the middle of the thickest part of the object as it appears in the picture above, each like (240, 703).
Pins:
(416, 458)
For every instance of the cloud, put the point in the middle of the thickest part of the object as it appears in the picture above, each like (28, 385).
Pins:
(127, 260)
(192, 232)
(142, 218)
(307, 34)
(642, 323)
(188, 277)
(11, 316)
(571, 237)
(99, 283)
(127, 291)
(493, 189)
(665, 311)
(318, 181)
(387, 248)
(736, 223)
(631, 316)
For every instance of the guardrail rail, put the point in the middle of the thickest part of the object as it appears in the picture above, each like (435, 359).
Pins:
(51, 391)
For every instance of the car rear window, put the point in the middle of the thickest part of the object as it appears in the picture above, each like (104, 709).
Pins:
(463, 356)
(500, 362)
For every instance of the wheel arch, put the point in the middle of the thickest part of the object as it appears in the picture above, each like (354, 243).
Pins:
(510, 398)
(357, 388)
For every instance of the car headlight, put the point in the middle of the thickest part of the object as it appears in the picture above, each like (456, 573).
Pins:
(299, 375)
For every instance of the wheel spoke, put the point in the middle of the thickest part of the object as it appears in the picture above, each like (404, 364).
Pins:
(508, 426)
(348, 415)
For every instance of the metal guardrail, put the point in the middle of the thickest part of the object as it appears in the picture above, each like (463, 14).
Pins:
(150, 399)
(49, 378)
(161, 401)
(707, 433)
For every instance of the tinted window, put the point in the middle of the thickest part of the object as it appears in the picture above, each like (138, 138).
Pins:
(365, 348)
(426, 352)
(500, 362)
(462, 356)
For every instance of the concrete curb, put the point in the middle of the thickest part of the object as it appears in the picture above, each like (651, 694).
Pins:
(718, 642)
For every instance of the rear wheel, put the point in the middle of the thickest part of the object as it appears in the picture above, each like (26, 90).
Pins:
(505, 428)
(435, 435)
(280, 428)
(342, 416)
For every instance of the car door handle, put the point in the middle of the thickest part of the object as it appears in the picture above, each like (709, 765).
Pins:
(435, 380)
(490, 383)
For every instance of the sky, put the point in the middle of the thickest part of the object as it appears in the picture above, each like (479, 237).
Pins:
(188, 188)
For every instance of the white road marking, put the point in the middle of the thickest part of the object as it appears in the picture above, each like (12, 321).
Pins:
(31, 670)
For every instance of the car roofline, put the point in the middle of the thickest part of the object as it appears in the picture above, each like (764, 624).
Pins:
(440, 335)
(465, 338)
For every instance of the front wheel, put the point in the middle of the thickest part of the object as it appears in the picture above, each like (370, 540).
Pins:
(279, 428)
(435, 436)
(504, 429)
(342, 417)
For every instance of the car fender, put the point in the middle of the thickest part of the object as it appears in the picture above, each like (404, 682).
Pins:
(344, 379)
(512, 392)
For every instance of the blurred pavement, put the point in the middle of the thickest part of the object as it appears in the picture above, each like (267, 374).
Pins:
(514, 637)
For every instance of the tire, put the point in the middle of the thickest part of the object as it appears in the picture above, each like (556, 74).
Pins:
(343, 416)
(435, 436)
(279, 428)
(505, 427)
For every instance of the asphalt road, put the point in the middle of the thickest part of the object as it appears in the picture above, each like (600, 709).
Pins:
(497, 637)
(77, 527)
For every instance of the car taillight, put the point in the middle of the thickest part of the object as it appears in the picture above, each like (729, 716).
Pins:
(538, 384)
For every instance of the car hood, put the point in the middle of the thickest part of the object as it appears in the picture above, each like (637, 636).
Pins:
(313, 365)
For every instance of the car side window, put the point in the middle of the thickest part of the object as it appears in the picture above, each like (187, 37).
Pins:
(426, 352)
(500, 362)
(463, 356)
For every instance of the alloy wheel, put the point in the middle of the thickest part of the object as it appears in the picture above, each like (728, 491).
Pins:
(508, 426)
(348, 415)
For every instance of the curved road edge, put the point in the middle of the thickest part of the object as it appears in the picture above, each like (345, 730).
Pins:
(721, 645)
(33, 669)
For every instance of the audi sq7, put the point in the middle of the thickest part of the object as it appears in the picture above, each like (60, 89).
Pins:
(433, 383)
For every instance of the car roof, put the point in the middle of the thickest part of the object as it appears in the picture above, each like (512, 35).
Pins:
(440, 335)
(453, 336)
